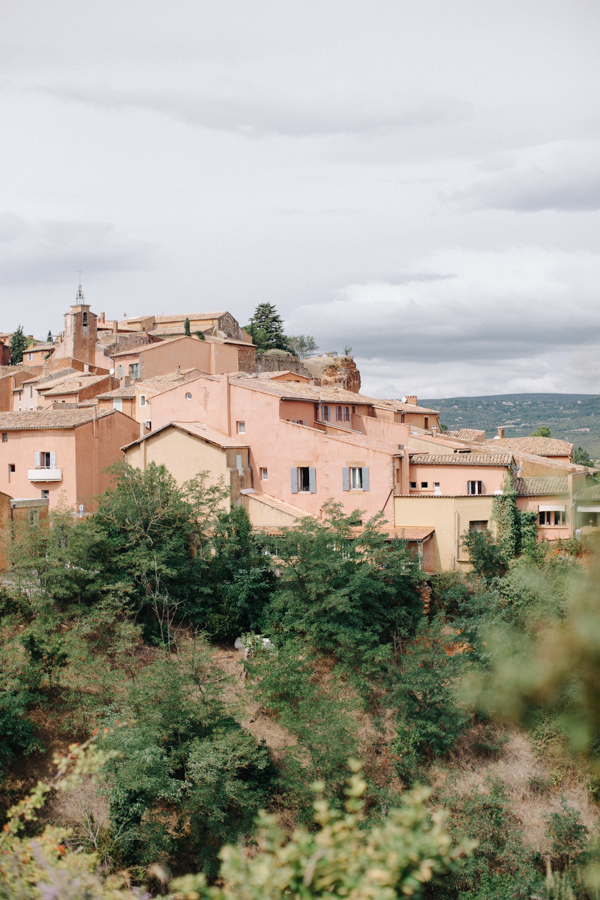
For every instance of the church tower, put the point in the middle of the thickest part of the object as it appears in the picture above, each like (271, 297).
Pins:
(80, 331)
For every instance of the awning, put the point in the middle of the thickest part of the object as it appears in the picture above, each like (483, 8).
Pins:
(551, 507)
(594, 509)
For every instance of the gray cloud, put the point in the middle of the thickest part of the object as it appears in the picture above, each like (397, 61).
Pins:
(52, 251)
(252, 111)
(558, 177)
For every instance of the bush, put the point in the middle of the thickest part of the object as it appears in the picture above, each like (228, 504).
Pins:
(567, 834)
(486, 556)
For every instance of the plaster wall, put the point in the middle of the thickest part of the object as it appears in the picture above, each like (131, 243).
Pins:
(450, 516)
(549, 532)
(97, 446)
(20, 450)
(453, 479)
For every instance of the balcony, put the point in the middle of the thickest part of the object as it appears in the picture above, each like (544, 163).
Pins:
(40, 473)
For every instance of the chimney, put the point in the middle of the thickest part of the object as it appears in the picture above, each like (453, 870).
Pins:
(101, 318)
(178, 371)
(412, 399)
(115, 327)
(500, 432)
(86, 369)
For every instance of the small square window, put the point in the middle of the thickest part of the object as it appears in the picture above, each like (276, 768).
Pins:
(12, 468)
(436, 484)
(241, 428)
(45, 495)
(142, 399)
(413, 485)
(4, 437)
(264, 475)
(424, 484)
(356, 478)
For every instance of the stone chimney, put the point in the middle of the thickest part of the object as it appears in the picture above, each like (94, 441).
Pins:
(411, 399)
(178, 371)
(501, 432)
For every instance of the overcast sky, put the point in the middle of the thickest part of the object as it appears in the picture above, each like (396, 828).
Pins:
(416, 179)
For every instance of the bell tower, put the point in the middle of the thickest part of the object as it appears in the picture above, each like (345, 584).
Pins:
(80, 331)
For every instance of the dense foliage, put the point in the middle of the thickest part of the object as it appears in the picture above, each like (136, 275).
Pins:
(119, 623)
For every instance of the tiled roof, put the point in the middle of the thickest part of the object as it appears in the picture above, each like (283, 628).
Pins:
(591, 493)
(541, 487)
(72, 385)
(297, 391)
(539, 446)
(197, 429)
(35, 420)
(461, 459)
(280, 505)
(410, 532)
(276, 375)
(365, 442)
(127, 393)
(399, 406)
(467, 434)
(41, 346)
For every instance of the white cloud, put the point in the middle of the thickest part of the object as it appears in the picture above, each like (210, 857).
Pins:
(563, 176)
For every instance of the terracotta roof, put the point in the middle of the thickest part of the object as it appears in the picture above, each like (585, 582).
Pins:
(297, 391)
(197, 429)
(269, 375)
(363, 441)
(280, 505)
(43, 345)
(591, 493)
(40, 419)
(127, 393)
(50, 379)
(399, 406)
(541, 487)
(467, 434)
(410, 532)
(539, 446)
(72, 385)
(461, 459)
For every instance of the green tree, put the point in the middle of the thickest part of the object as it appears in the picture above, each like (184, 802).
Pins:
(486, 556)
(17, 344)
(49, 337)
(582, 458)
(200, 335)
(543, 431)
(344, 588)
(302, 345)
(266, 319)
(186, 328)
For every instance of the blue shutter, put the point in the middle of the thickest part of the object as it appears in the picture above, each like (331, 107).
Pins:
(346, 478)
(294, 474)
(365, 478)
(38, 460)
(312, 480)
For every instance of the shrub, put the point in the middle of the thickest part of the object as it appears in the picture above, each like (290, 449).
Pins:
(567, 834)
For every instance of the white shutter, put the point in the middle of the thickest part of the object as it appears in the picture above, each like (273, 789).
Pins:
(53, 460)
(346, 478)
(365, 478)
(312, 480)
(294, 475)
(38, 460)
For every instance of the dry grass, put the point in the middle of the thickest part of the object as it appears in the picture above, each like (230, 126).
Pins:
(517, 765)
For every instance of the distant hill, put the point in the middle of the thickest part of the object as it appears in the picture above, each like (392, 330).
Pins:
(572, 417)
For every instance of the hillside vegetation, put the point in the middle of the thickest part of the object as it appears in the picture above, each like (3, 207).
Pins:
(467, 708)
(571, 417)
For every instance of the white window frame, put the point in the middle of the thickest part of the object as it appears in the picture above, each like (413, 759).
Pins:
(241, 427)
(356, 483)
(264, 474)
(478, 488)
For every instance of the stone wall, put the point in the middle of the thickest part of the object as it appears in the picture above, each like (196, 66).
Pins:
(339, 371)
(280, 362)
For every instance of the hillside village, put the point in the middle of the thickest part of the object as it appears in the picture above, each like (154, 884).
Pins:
(190, 391)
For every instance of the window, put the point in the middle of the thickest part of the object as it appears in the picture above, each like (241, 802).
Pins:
(478, 525)
(436, 484)
(29, 357)
(552, 517)
(45, 460)
(148, 425)
(304, 480)
(120, 371)
(355, 478)
(241, 428)
(325, 413)
(424, 485)
(118, 403)
(4, 437)
(11, 470)
(45, 495)
(30, 391)
(342, 413)
(474, 487)
(413, 485)
(142, 399)
(188, 396)
(34, 518)
(264, 475)
(426, 423)
(239, 464)
(20, 396)
(134, 369)
(84, 320)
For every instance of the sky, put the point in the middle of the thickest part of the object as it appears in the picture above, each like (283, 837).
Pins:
(418, 180)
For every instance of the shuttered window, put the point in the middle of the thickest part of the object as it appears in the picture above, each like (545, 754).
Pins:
(355, 478)
(304, 480)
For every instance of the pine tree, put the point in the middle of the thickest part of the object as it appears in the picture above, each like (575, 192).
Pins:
(18, 343)
(266, 319)
(49, 338)
(186, 328)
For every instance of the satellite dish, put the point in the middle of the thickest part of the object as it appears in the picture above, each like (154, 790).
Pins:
(112, 371)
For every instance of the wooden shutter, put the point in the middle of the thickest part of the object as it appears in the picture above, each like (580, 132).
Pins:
(346, 478)
(38, 460)
(365, 478)
(312, 480)
(294, 474)
(53, 460)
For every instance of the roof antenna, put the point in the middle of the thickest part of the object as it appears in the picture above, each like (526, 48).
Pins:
(80, 298)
